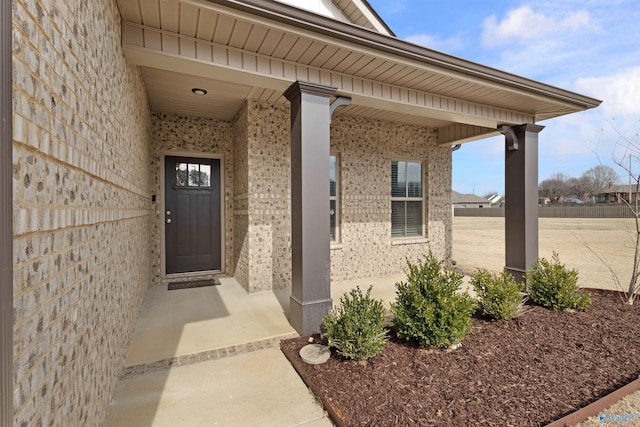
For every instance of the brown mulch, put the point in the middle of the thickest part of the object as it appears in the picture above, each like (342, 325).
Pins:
(524, 372)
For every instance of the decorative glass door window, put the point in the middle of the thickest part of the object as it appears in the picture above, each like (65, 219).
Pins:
(193, 175)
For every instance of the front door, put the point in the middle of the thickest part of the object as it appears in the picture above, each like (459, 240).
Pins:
(192, 214)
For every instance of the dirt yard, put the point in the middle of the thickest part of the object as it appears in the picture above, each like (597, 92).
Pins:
(479, 243)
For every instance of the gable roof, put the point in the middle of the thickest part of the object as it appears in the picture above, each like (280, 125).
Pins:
(457, 198)
(361, 13)
(620, 188)
(357, 12)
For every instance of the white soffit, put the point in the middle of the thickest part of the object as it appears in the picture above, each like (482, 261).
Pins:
(251, 53)
(171, 92)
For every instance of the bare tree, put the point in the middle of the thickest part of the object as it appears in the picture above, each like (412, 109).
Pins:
(626, 150)
(599, 178)
(556, 186)
(579, 186)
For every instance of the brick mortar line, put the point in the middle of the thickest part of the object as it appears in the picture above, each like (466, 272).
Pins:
(203, 356)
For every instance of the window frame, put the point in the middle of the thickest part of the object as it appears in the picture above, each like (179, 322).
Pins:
(407, 198)
(335, 198)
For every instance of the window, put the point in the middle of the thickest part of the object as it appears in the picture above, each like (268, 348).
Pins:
(406, 199)
(193, 175)
(333, 198)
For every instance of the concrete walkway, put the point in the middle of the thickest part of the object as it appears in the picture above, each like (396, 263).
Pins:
(210, 356)
(251, 389)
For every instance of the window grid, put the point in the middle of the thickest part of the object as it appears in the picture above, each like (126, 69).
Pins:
(334, 211)
(406, 199)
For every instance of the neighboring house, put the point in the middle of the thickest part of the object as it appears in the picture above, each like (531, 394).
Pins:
(497, 200)
(617, 194)
(468, 201)
(147, 141)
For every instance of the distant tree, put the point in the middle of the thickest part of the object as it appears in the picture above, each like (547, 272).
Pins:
(556, 186)
(599, 178)
(579, 186)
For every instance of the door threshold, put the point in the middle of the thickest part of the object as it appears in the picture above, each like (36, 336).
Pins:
(188, 275)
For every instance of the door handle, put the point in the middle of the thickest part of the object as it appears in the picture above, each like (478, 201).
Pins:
(168, 220)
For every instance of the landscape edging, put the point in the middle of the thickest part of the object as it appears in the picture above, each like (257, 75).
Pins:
(598, 406)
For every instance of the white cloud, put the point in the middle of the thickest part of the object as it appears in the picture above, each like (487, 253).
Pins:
(524, 24)
(450, 44)
(620, 92)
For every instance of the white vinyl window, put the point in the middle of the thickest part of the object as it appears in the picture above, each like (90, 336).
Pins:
(334, 217)
(406, 199)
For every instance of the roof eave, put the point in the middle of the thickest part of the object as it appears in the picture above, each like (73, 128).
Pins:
(368, 38)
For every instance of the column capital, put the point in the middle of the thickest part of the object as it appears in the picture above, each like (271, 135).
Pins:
(512, 137)
(530, 127)
(299, 87)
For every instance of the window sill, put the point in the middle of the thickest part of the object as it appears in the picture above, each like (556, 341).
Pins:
(409, 241)
(336, 246)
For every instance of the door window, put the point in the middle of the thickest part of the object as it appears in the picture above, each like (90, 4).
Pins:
(193, 175)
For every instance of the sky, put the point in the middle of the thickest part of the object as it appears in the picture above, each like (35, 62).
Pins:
(591, 47)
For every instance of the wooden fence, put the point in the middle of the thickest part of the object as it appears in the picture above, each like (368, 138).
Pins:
(590, 211)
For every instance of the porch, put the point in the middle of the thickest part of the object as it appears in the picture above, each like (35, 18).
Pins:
(180, 368)
(185, 326)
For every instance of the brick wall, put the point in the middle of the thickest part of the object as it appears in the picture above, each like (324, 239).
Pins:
(82, 208)
(240, 197)
(268, 194)
(196, 136)
(256, 150)
(365, 149)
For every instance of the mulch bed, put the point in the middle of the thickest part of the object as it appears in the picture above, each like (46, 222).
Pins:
(524, 372)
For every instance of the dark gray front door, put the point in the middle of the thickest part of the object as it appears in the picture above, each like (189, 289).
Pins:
(192, 214)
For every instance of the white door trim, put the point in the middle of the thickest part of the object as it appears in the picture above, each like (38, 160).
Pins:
(163, 255)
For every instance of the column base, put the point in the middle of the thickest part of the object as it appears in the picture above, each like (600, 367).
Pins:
(517, 273)
(306, 318)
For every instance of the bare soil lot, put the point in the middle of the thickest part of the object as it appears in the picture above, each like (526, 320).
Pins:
(479, 243)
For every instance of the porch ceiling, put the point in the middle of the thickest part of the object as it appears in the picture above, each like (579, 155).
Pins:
(170, 92)
(256, 48)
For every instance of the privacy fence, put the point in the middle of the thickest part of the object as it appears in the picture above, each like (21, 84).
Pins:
(595, 211)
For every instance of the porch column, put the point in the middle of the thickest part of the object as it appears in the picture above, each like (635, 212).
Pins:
(6, 219)
(521, 194)
(310, 259)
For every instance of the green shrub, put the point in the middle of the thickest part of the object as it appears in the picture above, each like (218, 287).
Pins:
(356, 328)
(499, 295)
(428, 307)
(554, 286)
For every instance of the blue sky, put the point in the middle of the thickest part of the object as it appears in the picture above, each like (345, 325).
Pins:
(589, 46)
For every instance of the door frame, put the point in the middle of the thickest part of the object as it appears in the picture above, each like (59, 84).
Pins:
(161, 206)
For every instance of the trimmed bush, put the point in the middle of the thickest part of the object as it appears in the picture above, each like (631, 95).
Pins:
(554, 286)
(355, 329)
(428, 307)
(499, 295)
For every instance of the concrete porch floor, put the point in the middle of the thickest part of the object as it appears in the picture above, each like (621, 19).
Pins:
(209, 356)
